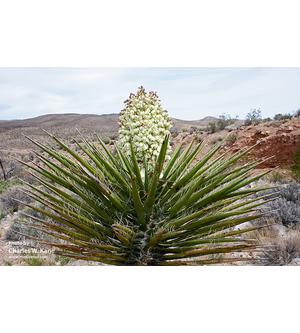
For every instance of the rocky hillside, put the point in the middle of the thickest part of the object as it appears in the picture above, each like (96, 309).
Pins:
(277, 139)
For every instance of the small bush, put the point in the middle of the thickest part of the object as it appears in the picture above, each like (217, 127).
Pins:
(265, 120)
(253, 117)
(8, 199)
(281, 251)
(193, 129)
(276, 177)
(174, 132)
(212, 127)
(28, 158)
(285, 212)
(247, 122)
(21, 226)
(223, 121)
(4, 185)
(220, 124)
(280, 116)
(296, 166)
(291, 192)
(34, 261)
(285, 209)
(231, 138)
(216, 140)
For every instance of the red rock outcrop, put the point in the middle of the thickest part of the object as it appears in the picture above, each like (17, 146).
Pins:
(280, 140)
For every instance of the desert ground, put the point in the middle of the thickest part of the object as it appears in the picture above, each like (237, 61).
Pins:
(277, 141)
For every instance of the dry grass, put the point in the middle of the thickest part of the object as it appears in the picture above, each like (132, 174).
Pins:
(280, 246)
(284, 251)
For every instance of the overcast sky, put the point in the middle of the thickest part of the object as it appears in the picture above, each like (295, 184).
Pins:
(187, 93)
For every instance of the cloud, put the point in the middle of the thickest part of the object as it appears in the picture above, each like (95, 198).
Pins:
(187, 93)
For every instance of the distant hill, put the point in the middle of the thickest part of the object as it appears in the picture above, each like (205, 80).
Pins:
(107, 123)
(202, 123)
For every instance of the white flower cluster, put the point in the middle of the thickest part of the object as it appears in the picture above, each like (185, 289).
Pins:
(146, 123)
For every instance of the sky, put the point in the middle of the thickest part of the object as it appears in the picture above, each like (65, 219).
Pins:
(187, 93)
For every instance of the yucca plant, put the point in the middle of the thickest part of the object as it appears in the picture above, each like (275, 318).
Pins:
(97, 205)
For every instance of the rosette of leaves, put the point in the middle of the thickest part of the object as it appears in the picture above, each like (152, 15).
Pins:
(145, 123)
(97, 206)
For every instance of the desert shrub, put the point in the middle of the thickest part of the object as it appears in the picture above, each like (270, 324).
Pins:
(9, 168)
(291, 192)
(247, 122)
(8, 199)
(4, 185)
(212, 127)
(285, 209)
(193, 129)
(231, 138)
(223, 121)
(27, 177)
(34, 261)
(28, 157)
(280, 116)
(62, 261)
(216, 140)
(265, 120)
(296, 165)
(14, 169)
(276, 177)
(22, 229)
(174, 133)
(220, 124)
(22, 226)
(285, 212)
(281, 250)
(253, 117)
(297, 113)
